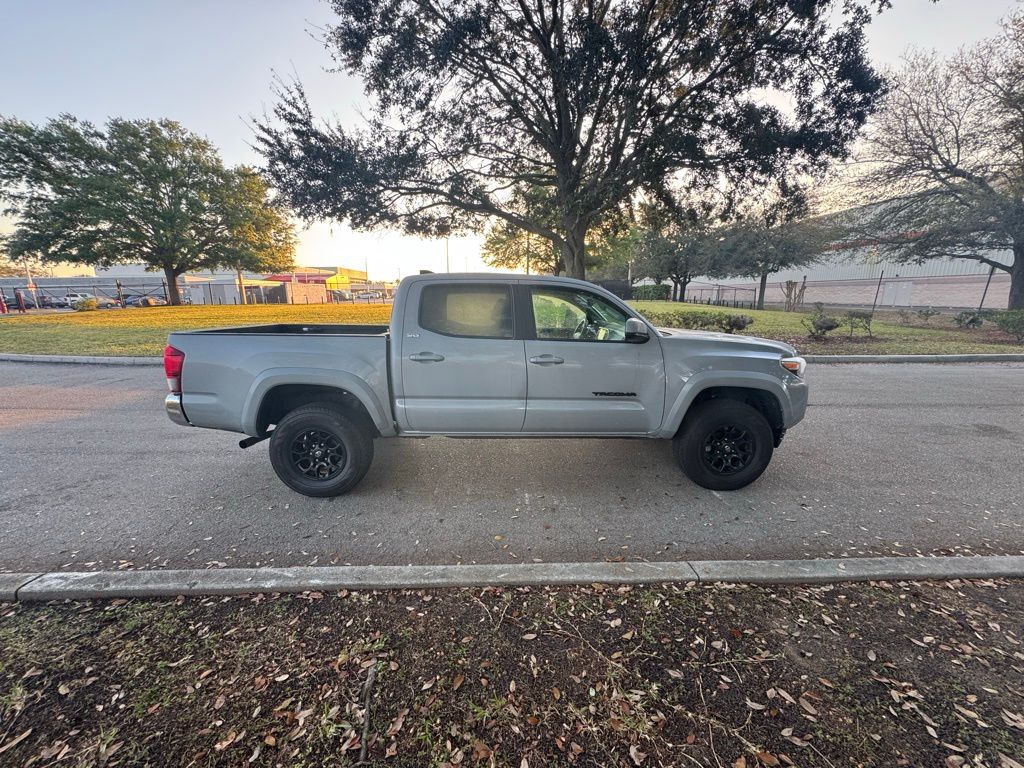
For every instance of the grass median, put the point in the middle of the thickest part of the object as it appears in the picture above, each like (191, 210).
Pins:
(143, 332)
(908, 674)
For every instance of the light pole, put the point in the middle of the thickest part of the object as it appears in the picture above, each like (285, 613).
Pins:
(447, 261)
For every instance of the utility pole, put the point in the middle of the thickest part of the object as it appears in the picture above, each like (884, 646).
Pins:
(447, 262)
(527, 252)
(241, 286)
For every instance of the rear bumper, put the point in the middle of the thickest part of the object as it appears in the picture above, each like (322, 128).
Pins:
(172, 404)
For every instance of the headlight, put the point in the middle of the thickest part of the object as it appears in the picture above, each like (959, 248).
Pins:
(794, 365)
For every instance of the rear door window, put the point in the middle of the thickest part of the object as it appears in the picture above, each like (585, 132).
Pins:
(473, 311)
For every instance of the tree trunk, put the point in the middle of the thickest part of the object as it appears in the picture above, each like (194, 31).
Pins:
(675, 290)
(171, 276)
(573, 249)
(683, 284)
(762, 289)
(1017, 277)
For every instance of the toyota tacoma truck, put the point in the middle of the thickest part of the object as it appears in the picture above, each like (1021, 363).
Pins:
(488, 356)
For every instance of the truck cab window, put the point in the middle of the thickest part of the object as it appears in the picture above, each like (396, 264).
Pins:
(480, 311)
(568, 315)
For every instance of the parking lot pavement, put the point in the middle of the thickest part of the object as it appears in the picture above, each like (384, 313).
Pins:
(898, 459)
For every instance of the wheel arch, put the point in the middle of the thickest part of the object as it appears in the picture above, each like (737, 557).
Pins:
(763, 393)
(275, 394)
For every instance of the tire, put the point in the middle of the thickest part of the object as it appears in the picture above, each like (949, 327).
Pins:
(724, 444)
(320, 450)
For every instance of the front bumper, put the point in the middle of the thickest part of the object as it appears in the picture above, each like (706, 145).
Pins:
(172, 404)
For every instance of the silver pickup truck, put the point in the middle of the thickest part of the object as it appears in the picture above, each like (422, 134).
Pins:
(488, 356)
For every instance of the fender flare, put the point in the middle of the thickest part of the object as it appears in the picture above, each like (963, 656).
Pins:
(351, 383)
(704, 380)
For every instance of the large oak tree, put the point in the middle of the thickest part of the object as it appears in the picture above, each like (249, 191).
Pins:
(139, 191)
(595, 101)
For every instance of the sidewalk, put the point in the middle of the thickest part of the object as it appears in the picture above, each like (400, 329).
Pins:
(915, 674)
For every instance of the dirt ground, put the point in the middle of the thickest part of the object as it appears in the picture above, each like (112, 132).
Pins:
(910, 674)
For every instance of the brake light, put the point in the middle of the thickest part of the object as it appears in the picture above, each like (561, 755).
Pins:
(173, 361)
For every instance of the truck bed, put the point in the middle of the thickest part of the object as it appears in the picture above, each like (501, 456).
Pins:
(322, 329)
(228, 371)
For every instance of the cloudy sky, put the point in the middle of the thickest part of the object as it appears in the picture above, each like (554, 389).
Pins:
(210, 64)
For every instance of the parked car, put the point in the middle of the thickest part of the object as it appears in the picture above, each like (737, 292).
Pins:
(11, 300)
(488, 356)
(105, 302)
(368, 295)
(69, 299)
(144, 301)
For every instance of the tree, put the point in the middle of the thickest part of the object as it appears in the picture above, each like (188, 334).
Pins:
(473, 102)
(677, 247)
(773, 234)
(946, 156)
(144, 190)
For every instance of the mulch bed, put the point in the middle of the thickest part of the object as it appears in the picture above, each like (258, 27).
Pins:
(915, 674)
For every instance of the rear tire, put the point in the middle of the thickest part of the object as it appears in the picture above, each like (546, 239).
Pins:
(724, 444)
(320, 450)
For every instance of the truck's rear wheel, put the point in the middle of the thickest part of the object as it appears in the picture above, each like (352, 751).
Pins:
(319, 450)
(724, 444)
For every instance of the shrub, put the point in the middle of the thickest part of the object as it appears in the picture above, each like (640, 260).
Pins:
(819, 324)
(903, 316)
(968, 319)
(701, 320)
(650, 293)
(85, 305)
(927, 314)
(1011, 321)
(733, 323)
(859, 319)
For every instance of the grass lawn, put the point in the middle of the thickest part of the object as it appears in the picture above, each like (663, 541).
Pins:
(939, 336)
(141, 332)
(909, 674)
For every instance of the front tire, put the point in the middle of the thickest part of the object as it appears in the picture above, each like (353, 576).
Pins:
(319, 451)
(724, 444)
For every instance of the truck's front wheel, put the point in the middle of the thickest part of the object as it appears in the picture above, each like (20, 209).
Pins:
(319, 450)
(724, 444)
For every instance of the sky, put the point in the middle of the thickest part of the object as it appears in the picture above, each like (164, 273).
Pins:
(210, 64)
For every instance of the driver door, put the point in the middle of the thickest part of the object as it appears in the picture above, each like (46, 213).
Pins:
(583, 377)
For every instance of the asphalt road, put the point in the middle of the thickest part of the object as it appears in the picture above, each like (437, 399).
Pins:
(898, 459)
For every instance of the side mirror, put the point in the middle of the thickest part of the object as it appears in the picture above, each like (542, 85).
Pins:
(636, 331)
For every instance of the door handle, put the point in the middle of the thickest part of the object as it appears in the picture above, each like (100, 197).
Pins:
(546, 360)
(426, 357)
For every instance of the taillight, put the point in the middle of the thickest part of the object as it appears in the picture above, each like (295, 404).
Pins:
(173, 360)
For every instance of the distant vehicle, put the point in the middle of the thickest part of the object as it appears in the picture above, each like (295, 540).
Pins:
(339, 295)
(69, 299)
(12, 301)
(144, 301)
(488, 356)
(368, 295)
(105, 302)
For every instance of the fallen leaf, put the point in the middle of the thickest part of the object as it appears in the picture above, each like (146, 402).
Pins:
(219, 702)
(458, 681)
(739, 762)
(768, 759)
(556, 693)
(637, 755)
(529, 636)
(15, 741)
(807, 706)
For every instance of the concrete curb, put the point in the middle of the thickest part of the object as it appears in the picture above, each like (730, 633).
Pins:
(79, 359)
(10, 583)
(232, 581)
(994, 358)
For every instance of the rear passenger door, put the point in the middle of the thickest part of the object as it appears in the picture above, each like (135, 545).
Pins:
(463, 370)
